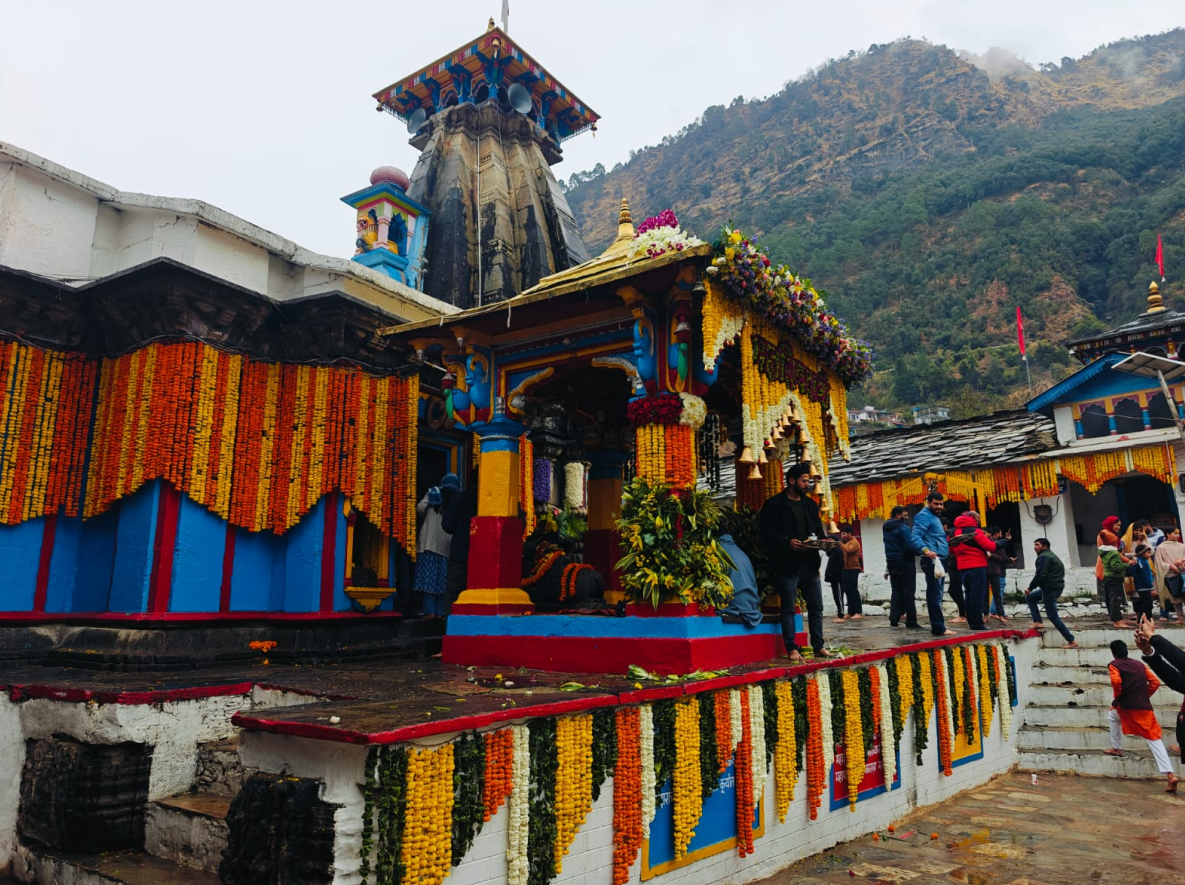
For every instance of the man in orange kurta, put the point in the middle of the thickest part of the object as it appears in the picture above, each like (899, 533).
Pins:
(1131, 711)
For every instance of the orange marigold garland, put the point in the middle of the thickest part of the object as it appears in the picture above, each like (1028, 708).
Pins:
(499, 771)
(627, 795)
(723, 730)
(744, 782)
(816, 776)
(943, 704)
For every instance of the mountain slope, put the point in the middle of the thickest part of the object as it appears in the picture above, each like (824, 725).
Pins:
(929, 197)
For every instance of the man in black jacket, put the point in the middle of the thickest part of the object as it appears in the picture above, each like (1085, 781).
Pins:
(787, 520)
(1168, 663)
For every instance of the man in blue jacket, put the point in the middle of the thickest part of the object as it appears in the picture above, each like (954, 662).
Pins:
(929, 537)
(899, 562)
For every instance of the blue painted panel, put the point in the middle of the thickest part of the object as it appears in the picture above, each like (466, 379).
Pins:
(18, 564)
(254, 571)
(599, 628)
(302, 585)
(63, 566)
(133, 550)
(341, 602)
(96, 562)
(197, 559)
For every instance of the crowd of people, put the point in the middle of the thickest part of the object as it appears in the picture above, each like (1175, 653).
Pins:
(1143, 567)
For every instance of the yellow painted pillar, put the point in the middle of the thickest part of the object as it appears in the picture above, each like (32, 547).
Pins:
(601, 548)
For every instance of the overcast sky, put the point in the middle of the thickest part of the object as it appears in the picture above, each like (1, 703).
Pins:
(264, 108)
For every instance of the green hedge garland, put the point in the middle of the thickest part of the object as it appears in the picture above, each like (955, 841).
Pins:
(469, 769)
(709, 772)
(604, 748)
(541, 826)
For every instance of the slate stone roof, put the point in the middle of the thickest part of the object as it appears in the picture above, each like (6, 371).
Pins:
(989, 440)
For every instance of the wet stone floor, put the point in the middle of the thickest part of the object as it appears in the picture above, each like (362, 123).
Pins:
(1066, 830)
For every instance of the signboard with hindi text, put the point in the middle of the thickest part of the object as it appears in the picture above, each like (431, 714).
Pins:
(873, 782)
(715, 832)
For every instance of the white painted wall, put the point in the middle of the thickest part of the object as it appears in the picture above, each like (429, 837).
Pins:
(1063, 423)
(12, 760)
(60, 224)
(1060, 531)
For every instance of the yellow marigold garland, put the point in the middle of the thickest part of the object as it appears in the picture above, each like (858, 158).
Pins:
(927, 679)
(785, 751)
(573, 781)
(426, 850)
(904, 666)
(854, 752)
(688, 789)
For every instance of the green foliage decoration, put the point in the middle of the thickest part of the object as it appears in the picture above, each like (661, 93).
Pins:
(541, 826)
(469, 765)
(672, 555)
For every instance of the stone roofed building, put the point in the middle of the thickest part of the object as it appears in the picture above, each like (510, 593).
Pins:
(1105, 441)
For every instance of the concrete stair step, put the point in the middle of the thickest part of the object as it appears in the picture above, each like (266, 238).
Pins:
(1093, 763)
(1074, 739)
(1042, 716)
(1046, 674)
(1071, 695)
(1060, 656)
(189, 829)
(38, 867)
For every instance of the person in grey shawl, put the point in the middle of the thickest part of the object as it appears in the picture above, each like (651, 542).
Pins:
(745, 607)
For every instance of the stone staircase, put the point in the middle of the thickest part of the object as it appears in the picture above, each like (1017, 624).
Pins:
(1065, 728)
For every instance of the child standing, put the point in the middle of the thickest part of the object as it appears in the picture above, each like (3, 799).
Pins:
(1114, 569)
(1141, 572)
(1131, 711)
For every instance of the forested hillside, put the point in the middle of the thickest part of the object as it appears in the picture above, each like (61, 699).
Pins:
(929, 193)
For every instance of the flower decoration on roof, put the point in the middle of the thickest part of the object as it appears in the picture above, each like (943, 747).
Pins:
(790, 301)
(661, 234)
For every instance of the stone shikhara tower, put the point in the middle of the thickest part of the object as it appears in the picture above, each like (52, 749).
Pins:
(489, 122)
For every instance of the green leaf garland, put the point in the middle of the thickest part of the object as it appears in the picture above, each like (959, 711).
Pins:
(802, 722)
(769, 697)
(604, 748)
(469, 766)
(541, 826)
(921, 726)
(709, 775)
(665, 757)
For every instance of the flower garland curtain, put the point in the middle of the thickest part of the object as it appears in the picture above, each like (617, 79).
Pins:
(1020, 482)
(256, 443)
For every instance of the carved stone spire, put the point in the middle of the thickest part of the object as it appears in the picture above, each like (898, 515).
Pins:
(1155, 301)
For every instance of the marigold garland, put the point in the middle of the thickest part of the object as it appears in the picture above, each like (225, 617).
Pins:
(628, 794)
(499, 771)
(945, 740)
(759, 763)
(573, 781)
(924, 691)
(785, 751)
(688, 791)
(724, 729)
(854, 751)
(744, 781)
(826, 703)
(1004, 689)
(526, 484)
(426, 849)
(815, 762)
(970, 693)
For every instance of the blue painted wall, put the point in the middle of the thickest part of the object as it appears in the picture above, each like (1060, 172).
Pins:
(254, 570)
(133, 550)
(96, 562)
(197, 559)
(341, 602)
(19, 559)
(302, 585)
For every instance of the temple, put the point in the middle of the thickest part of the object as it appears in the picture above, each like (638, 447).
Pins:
(226, 467)
(490, 121)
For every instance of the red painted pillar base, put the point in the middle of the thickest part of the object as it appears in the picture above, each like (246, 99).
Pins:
(495, 568)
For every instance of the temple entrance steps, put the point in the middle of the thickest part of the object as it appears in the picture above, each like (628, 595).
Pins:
(1065, 727)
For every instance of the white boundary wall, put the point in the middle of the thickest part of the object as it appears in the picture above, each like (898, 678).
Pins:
(590, 859)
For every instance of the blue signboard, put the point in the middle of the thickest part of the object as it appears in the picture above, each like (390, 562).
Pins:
(715, 832)
(872, 783)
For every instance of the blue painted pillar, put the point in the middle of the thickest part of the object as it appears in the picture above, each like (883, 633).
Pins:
(134, 540)
(197, 559)
(1111, 425)
(1147, 419)
(1078, 431)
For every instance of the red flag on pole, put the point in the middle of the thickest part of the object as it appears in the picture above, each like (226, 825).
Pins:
(1020, 333)
(1160, 257)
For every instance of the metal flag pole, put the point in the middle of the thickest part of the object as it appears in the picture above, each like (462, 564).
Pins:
(1028, 374)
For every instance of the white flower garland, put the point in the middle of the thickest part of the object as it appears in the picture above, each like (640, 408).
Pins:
(824, 684)
(660, 240)
(518, 865)
(888, 741)
(574, 496)
(735, 723)
(757, 734)
(695, 411)
(1002, 696)
(646, 749)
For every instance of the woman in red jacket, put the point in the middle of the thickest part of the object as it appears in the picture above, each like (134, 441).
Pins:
(971, 545)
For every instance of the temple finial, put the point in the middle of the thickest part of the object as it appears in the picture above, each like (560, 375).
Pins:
(624, 217)
(625, 225)
(491, 25)
(1155, 301)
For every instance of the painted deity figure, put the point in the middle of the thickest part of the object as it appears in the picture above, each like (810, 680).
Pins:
(644, 354)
